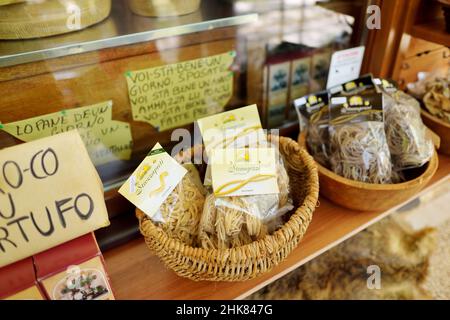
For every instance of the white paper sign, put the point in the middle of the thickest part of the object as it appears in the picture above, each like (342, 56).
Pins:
(345, 66)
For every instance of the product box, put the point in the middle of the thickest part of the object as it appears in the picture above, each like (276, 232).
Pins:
(18, 282)
(320, 68)
(287, 77)
(74, 270)
(277, 90)
(300, 76)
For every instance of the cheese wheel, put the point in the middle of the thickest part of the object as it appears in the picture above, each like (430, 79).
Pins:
(163, 8)
(5, 2)
(41, 19)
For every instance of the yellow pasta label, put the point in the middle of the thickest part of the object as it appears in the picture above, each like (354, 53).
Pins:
(235, 128)
(243, 171)
(177, 94)
(153, 181)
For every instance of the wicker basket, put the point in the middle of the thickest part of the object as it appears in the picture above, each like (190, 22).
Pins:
(41, 19)
(441, 128)
(163, 8)
(363, 196)
(258, 257)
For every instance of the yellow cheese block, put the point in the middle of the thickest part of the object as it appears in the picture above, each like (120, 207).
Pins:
(41, 19)
(163, 8)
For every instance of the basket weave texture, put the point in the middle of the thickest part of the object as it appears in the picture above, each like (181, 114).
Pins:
(251, 260)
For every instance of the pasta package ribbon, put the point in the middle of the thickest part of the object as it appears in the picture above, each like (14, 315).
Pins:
(241, 184)
(244, 171)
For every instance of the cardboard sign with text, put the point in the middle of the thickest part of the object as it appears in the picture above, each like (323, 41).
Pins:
(50, 193)
(177, 94)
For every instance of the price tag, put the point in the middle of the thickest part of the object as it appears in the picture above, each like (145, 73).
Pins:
(345, 66)
(50, 193)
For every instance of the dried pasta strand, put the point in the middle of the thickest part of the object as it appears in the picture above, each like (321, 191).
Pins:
(360, 152)
(182, 211)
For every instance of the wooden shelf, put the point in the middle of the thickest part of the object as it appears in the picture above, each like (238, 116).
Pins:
(433, 31)
(137, 274)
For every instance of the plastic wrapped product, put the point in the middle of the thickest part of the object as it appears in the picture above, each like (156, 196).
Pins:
(437, 99)
(425, 80)
(313, 113)
(406, 136)
(408, 142)
(358, 146)
(234, 221)
(179, 215)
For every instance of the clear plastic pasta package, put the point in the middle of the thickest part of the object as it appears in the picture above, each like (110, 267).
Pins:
(179, 215)
(231, 129)
(313, 113)
(425, 81)
(239, 211)
(232, 221)
(167, 193)
(358, 146)
(406, 134)
(437, 98)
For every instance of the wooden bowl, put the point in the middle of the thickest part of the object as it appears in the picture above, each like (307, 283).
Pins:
(363, 196)
(441, 128)
(163, 8)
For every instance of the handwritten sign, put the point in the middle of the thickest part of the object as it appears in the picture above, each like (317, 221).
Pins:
(173, 95)
(50, 193)
(108, 142)
(105, 138)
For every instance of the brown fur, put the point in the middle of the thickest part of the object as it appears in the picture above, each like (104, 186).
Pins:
(341, 273)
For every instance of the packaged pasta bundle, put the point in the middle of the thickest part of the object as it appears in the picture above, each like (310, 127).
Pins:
(406, 135)
(437, 98)
(243, 173)
(231, 129)
(250, 196)
(358, 146)
(313, 115)
(168, 193)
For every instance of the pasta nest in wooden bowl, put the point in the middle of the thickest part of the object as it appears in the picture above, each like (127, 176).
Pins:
(364, 196)
(253, 250)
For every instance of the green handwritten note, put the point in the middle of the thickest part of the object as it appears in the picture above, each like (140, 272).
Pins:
(177, 94)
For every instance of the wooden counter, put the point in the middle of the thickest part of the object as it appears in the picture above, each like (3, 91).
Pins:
(137, 274)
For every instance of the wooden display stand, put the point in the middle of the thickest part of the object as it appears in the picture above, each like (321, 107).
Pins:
(100, 76)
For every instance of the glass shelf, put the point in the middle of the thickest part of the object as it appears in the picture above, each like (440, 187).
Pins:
(121, 28)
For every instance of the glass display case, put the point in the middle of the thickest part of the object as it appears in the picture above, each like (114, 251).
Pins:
(123, 81)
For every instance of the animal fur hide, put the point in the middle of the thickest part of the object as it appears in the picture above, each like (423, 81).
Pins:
(341, 273)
